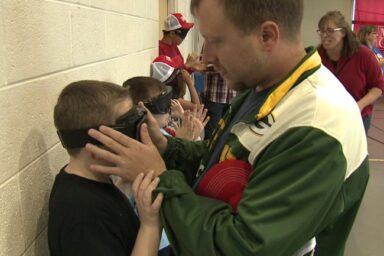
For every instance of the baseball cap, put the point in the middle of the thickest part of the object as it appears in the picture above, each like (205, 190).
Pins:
(175, 21)
(163, 67)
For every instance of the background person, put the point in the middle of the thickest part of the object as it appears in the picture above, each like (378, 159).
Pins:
(295, 127)
(217, 98)
(166, 70)
(368, 36)
(175, 31)
(355, 66)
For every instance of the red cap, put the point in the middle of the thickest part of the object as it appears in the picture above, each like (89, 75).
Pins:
(162, 67)
(175, 21)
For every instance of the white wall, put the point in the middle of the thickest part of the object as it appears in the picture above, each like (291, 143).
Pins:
(44, 45)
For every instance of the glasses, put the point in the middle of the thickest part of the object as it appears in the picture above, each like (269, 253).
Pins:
(328, 31)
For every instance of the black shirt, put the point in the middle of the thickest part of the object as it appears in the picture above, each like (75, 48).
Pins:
(87, 217)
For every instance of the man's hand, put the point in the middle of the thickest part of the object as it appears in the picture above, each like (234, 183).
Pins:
(158, 139)
(128, 156)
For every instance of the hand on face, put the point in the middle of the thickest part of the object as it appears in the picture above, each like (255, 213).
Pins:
(128, 156)
(143, 187)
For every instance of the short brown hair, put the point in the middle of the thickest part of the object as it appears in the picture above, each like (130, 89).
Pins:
(142, 88)
(350, 44)
(87, 103)
(247, 15)
(365, 31)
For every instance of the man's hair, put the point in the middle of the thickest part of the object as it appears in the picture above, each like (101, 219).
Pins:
(143, 88)
(350, 44)
(365, 31)
(86, 104)
(247, 15)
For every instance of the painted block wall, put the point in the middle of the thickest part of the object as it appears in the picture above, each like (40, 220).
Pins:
(44, 45)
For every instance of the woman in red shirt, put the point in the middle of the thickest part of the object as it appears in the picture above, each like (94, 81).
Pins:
(354, 65)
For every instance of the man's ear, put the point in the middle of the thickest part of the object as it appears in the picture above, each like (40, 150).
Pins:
(270, 34)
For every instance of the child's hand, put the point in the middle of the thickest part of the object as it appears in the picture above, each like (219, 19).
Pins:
(176, 109)
(200, 120)
(201, 115)
(143, 187)
(187, 126)
(193, 62)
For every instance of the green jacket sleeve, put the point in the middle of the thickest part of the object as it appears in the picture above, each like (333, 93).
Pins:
(185, 156)
(292, 193)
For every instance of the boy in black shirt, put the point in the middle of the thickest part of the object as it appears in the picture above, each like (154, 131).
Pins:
(88, 215)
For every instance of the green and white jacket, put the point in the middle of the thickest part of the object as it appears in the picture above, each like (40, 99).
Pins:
(308, 152)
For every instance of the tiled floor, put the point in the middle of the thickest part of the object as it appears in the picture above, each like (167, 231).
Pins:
(367, 236)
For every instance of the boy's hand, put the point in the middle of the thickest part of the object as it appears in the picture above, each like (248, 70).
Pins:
(127, 156)
(193, 62)
(176, 109)
(143, 187)
(186, 130)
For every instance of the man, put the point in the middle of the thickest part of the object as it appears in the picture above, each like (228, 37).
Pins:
(296, 131)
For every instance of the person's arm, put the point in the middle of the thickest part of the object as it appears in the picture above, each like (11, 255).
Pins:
(191, 87)
(374, 80)
(292, 194)
(148, 238)
(129, 157)
(369, 98)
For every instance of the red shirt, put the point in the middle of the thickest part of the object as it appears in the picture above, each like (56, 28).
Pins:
(358, 73)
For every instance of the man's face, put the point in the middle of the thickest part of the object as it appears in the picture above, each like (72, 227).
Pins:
(238, 57)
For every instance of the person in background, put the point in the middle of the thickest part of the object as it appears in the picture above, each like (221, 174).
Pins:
(287, 169)
(157, 99)
(88, 215)
(354, 65)
(217, 98)
(367, 36)
(175, 31)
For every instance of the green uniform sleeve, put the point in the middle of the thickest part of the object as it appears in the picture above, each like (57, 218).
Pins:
(292, 193)
(185, 156)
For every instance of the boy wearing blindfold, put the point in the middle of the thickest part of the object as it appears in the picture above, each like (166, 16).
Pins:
(175, 31)
(157, 98)
(88, 215)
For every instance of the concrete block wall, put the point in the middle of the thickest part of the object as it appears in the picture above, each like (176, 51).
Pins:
(44, 45)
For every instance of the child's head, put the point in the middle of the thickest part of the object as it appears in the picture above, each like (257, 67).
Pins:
(176, 28)
(165, 69)
(154, 94)
(86, 104)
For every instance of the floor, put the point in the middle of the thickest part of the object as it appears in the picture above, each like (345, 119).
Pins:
(367, 236)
